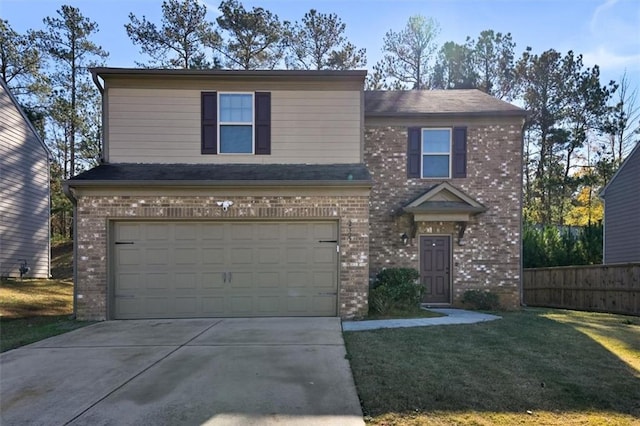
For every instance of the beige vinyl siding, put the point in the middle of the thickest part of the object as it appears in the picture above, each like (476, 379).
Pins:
(24, 195)
(163, 126)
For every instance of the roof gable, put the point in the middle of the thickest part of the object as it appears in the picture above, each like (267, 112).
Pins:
(5, 90)
(444, 202)
(634, 155)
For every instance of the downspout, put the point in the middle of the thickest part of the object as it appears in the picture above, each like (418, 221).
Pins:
(69, 193)
(96, 81)
(524, 121)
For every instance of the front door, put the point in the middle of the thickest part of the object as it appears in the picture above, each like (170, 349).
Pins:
(435, 269)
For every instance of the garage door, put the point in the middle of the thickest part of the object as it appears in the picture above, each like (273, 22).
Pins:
(230, 269)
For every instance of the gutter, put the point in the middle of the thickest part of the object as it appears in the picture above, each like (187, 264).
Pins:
(69, 193)
(96, 81)
(217, 183)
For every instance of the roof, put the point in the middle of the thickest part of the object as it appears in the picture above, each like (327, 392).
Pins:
(26, 119)
(468, 102)
(256, 74)
(635, 150)
(224, 174)
(444, 198)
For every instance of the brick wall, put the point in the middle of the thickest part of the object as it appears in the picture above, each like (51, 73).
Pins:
(490, 259)
(95, 211)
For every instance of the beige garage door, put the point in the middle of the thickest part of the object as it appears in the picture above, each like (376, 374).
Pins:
(230, 269)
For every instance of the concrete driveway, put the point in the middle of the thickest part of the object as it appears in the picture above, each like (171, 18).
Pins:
(183, 372)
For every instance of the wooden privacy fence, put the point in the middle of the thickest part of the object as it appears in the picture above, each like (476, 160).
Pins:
(603, 288)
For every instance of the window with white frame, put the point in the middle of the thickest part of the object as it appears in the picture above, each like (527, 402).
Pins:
(436, 153)
(235, 123)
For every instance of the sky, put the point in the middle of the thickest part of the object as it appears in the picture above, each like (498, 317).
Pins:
(605, 32)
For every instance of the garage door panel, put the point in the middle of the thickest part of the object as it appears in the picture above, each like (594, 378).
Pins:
(324, 254)
(156, 306)
(323, 279)
(212, 306)
(128, 255)
(270, 232)
(212, 280)
(186, 256)
(296, 255)
(241, 232)
(297, 231)
(218, 269)
(240, 280)
(185, 232)
(157, 232)
(324, 231)
(241, 256)
(268, 280)
(268, 255)
(157, 281)
(241, 305)
(186, 306)
(212, 232)
(129, 231)
(185, 280)
(156, 256)
(130, 281)
(213, 256)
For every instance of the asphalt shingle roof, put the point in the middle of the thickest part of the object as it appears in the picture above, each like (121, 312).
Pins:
(182, 173)
(436, 102)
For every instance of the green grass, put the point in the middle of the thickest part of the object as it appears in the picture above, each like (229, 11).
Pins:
(32, 310)
(537, 366)
(18, 332)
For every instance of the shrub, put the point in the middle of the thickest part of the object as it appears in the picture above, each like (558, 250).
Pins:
(479, 299)
(395, 289)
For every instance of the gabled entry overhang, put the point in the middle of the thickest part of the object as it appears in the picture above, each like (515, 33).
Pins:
(444, 203)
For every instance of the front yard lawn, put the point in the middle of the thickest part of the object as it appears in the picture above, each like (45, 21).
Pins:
(536, 366)
(33, 310)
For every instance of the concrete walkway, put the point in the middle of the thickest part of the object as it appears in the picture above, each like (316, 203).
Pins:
(219, 372)
(453, 316)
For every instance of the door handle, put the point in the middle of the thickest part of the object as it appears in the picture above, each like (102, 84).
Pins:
(230, 276)
(224, 277)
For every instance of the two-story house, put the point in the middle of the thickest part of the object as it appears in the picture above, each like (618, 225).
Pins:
(281, 193)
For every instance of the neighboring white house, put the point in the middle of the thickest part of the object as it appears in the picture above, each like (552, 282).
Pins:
(24, 194)
(622, 212)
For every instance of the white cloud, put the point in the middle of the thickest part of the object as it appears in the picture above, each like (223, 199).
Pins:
(607, 59)
(595, 18)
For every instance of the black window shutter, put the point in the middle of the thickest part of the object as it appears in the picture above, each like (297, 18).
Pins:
(414, 150)
(263, 123)
(459, 152)
(209, 107)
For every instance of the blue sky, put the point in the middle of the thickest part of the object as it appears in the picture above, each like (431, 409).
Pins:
(606, 32)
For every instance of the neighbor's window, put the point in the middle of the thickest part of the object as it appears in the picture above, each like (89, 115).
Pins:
(235, 123)
(436, 153)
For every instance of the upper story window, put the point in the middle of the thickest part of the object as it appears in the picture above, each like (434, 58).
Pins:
(235, 123)
(436, 153)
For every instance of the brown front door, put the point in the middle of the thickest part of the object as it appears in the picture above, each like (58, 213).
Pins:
(435, 269)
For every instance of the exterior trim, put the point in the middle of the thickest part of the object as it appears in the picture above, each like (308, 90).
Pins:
(302, 75)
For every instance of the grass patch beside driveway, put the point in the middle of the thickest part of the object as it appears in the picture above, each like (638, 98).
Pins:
(537, 366)
(33, 310)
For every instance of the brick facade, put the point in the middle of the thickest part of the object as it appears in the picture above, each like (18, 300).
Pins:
(94, 213)
(490, 257)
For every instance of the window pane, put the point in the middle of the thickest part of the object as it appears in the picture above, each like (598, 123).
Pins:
(236, 139)
(236, 108)
(435, 166)
(436, 140)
